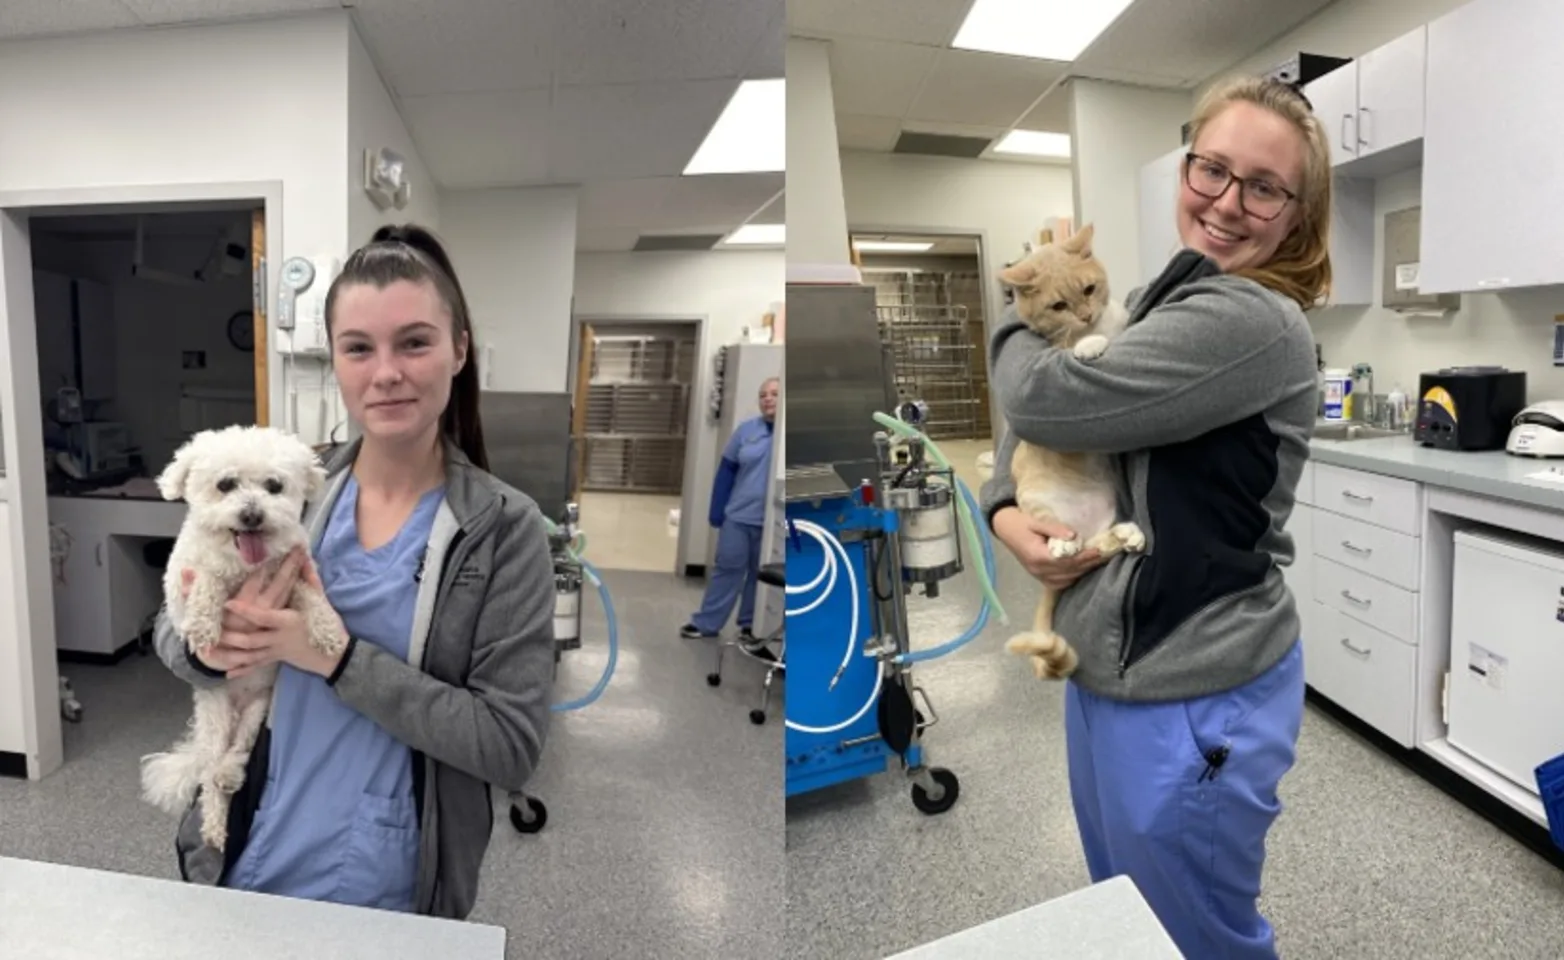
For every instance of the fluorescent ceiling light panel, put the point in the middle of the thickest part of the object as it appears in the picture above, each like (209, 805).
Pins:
(751, 134)
(1034, 143)
(769, 234)
(891, 246)
(1040, 29)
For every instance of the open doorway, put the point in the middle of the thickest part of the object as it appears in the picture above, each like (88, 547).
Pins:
(633, 395)
(130, 320)
(929, 292)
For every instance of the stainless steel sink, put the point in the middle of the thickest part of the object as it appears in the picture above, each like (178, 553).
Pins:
(1353, 431)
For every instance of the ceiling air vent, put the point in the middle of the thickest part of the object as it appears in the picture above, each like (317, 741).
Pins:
(942, 145)
(677, 241)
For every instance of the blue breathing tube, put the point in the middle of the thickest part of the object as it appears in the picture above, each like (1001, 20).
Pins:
(613, 644)
(981, 621)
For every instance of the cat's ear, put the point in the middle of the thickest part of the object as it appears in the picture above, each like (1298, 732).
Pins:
(1018, 274)
(1081, 242)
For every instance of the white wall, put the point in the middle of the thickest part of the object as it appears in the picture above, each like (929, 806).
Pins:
(1115, 130)
(515, 250)
(258, 101)
(730, 290)
(373, 122)
(1511, 329)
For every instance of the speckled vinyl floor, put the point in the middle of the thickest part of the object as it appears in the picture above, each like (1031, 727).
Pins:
(665, 803)
(1367, 862)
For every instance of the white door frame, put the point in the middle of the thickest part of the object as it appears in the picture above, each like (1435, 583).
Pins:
(25, 496)
(694, 421)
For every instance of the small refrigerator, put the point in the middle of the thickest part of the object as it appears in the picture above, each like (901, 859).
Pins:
(1506, 694)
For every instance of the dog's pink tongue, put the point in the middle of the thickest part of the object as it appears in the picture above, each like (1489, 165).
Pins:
(252, 547)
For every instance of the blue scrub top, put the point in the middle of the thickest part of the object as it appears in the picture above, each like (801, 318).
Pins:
(749, 448)
(337, 820)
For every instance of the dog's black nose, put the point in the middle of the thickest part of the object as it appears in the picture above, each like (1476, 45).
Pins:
(251, 517)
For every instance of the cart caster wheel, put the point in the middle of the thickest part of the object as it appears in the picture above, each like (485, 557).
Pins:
(947, 782)
(537, 811)
(713, 679)
(757, 717)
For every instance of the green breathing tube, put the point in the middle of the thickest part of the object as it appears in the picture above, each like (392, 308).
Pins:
(969, 522)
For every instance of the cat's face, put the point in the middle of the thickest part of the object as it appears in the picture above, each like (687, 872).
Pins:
(1061, 290)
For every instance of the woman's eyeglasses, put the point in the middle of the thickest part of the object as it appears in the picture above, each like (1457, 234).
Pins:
(1259, 197)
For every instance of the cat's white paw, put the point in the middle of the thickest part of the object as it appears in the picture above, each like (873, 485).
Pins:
(1092, 347)
(1059, 548)
(1130, 536)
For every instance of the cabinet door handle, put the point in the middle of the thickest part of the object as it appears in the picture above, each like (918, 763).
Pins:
(97, 553)
(1360, 551)
(1346, 142)
(1362, 112)
(1357, 650)
(1351, 599)
(1356, 496)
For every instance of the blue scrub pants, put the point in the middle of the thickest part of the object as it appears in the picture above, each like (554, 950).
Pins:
(1193, 841)
(732, 579)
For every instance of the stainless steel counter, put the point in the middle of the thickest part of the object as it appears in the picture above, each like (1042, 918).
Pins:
(50, 911)
(1487, 474)
(1106, 921)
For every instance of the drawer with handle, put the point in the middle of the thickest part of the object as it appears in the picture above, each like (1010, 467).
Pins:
(1383, 606)
(1377, 551)
(1370, 674)
(1388, 502)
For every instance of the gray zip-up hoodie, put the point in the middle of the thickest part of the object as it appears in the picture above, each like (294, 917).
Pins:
(1209, 399)
(471, 701)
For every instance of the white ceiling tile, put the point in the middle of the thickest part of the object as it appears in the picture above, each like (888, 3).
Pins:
(866, 133)
(1183, 42)
(768, 59)
(954, 129)
(773, 212)
(718, 201)
(482, 139)
(424, 48)
(184, 11)
(982, 88)
(621, 132)
(605, 237)
(622, 202)
(36, 18)
(929, 22)
(1052, 115)
(876, 78)
(640, 41)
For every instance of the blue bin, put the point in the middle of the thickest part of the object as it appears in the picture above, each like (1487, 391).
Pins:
(1550, 783)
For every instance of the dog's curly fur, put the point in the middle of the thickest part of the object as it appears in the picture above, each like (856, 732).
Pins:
(243, 485)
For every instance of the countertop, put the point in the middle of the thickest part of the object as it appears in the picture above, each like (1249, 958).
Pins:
(50, 911)
(1106, 921)
(1489, 473)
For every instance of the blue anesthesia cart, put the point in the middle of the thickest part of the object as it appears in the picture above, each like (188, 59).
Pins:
(856, 549)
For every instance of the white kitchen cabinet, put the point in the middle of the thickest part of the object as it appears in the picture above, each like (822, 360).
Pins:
(1370, 674)
(1492, 184)
(1372, 108)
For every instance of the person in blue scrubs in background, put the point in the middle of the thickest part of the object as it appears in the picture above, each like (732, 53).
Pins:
(369, 783)
(738, 511)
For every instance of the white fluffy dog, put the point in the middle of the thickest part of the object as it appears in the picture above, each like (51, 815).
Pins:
(246, 488)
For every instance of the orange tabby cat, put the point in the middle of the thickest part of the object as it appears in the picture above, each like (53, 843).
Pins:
(1061, 292)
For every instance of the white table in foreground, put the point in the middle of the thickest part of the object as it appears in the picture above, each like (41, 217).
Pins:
(53, 912)
(1106, 921)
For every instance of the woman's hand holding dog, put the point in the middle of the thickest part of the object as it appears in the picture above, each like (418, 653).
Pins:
(260, 628)
(1028, 540)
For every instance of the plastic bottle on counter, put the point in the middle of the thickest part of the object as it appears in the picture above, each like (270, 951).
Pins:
(1396, 400)
(1338, 395)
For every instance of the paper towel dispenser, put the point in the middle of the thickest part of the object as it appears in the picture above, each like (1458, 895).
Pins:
(1399, 289)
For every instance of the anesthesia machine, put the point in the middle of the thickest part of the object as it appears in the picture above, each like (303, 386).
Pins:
(871, 516)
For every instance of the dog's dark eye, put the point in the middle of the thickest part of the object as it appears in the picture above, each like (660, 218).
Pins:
(274, 486)
(1061, 305)
(227, 485)
(1091, 288)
